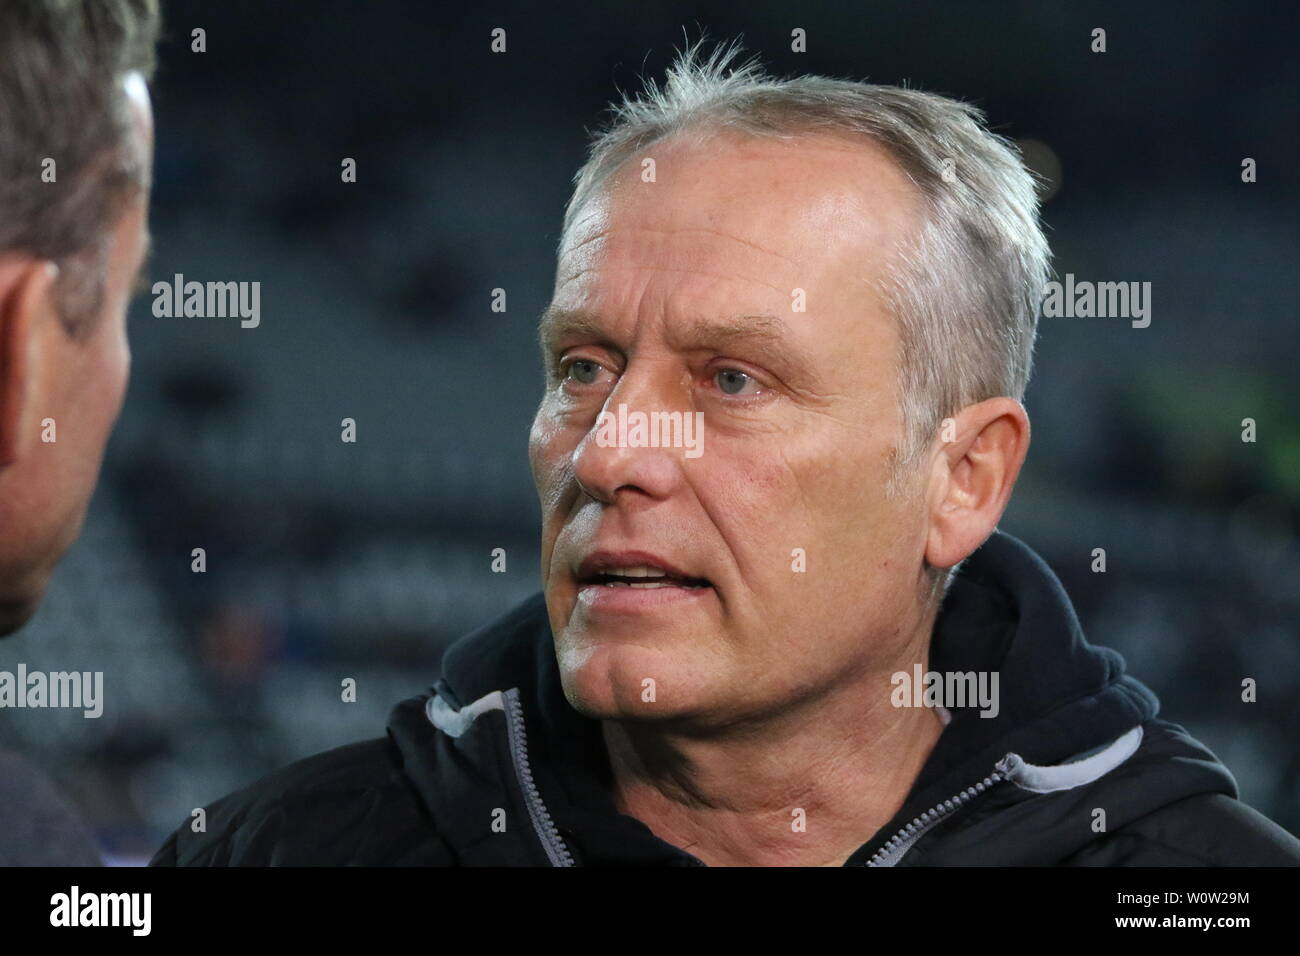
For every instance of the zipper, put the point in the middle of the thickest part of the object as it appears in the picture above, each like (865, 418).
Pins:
(897, 846)
(556, 850)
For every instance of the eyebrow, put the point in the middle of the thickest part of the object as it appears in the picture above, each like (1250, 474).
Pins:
(767, 335)
(570, 323)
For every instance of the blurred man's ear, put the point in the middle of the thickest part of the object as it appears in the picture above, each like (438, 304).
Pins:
(973, 471)
(26, 308)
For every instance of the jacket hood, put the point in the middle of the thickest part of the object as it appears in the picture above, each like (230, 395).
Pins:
(1073, 733)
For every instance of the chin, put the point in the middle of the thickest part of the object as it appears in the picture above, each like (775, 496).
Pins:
(608, 680)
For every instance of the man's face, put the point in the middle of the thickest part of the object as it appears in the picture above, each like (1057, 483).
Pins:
(681, 295)
(78, 382)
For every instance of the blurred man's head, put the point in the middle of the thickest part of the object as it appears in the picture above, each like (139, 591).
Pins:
(76, 145)
(843, 280)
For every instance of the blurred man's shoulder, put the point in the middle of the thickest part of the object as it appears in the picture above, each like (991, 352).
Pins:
(352, 805)
(38, 827)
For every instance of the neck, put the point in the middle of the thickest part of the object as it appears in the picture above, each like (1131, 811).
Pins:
(806, 787)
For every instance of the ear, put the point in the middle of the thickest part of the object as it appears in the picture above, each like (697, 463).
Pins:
(26, 287)
(977, 460)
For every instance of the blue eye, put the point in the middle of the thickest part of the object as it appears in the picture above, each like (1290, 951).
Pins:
(584, 372)
(731, 381)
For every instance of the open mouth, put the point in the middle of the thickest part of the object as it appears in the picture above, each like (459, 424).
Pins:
(641, 576)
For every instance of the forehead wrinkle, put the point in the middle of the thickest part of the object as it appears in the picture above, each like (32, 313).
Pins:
(609, 231)
(569, 250)
(784, 293)
(724, 235)
(698, 332)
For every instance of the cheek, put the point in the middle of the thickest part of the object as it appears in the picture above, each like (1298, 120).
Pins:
(550, 455)
(111, 374)
(94, 378)
(119, 371)
(544, 458)
(755, 509)
(792, 496)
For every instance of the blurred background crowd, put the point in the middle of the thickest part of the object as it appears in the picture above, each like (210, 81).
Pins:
(328, 560)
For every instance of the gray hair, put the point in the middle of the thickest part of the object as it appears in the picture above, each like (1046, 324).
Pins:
(61, 69)
(965, 290)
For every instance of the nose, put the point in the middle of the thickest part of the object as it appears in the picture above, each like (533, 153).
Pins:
(629, 450)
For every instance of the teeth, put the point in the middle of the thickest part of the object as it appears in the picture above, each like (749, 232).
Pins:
(641, 576)
(645, 584)
(639, 571)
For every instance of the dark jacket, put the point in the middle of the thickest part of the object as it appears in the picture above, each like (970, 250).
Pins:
(496, 742)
